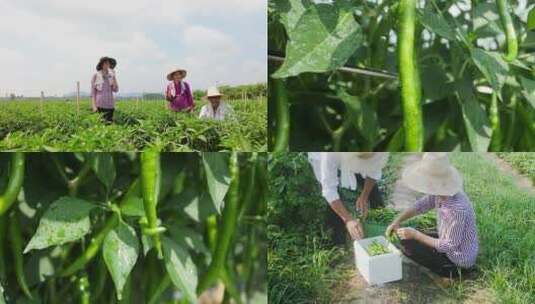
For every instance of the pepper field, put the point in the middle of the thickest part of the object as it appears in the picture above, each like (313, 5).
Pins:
(28, 125)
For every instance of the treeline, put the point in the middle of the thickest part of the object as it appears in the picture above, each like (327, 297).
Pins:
(248, 91)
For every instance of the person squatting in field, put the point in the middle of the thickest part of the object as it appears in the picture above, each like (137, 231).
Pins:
(356, 168)
(103, 85)
(216, 109)
(178, 92)
(453, 248)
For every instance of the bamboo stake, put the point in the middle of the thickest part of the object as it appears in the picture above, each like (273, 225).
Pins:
(42, 101)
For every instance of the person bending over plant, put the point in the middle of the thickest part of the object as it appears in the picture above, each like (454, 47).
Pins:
(178, 92)
(103, 85)
(454, 247)
(363, 168)
(217, 109)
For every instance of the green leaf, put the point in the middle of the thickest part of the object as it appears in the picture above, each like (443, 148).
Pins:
(323, 40)
(198, 206)
(189, 238)
(475, 118)
(364, 117)
(66, 220)
(133, 207)
(181, 269)
(437, 24)
(531, 19)
(493, 67)
(528, 90)
(104, 168)
(217, 176)
(290, 12)
(120, 251)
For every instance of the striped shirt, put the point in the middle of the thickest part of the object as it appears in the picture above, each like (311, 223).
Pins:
(457, 232)
(104, 98)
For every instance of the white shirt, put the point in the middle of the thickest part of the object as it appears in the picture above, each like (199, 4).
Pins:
(223, 112)
(327, 164)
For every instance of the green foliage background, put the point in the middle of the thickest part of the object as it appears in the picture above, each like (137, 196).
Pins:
(461, 61)
(72, 202)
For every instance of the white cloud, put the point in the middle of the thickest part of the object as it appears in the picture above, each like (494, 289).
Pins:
(60, 41)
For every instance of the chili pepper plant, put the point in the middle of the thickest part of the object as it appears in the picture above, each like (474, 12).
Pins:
(401, 75)
(145, 227)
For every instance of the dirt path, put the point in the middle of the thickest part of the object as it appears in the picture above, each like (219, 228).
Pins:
(521, 180)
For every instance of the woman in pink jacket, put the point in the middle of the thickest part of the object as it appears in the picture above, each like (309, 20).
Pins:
(178, 92)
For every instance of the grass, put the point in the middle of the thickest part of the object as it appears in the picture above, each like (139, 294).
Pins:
(58, 127)
(505, 218)
(524, 162)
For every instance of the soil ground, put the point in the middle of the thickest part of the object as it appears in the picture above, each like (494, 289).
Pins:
(418, 285)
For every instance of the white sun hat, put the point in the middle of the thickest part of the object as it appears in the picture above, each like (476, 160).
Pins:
(434, 175)
(213, 92)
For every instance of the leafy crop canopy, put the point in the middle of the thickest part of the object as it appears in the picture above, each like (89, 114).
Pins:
(323, 39)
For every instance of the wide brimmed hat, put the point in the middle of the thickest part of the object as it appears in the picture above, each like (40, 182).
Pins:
(182, 71)
(213, 92)
(365, 155)
(434, 175)
(112, 61)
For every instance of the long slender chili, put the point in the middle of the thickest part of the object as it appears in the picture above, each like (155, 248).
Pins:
(150, 185)
(15, 182)
(15, 236)
(409, 77)
(230, 219)
(509, 28)
(282, 135)
(93, 248)
(3, 229)
(496, 140)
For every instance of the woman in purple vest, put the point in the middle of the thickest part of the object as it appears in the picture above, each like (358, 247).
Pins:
(103, 85)
(178, 92)
(454, 246)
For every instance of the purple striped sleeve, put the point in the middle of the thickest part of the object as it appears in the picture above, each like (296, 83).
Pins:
(424, 204)
(452, 235)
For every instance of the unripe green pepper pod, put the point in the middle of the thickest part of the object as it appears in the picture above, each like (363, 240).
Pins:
(409, 77)
(16, 179)
(15, 236)
(150, 188)
(509, 28)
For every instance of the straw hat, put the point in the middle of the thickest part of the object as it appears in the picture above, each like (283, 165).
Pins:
(365, 155)
(182, 71)
(434, 175)
(112, 61)
(213, 92)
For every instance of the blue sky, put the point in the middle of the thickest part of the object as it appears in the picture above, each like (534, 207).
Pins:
(50, 44)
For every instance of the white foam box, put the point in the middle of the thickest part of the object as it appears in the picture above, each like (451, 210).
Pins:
(378, 269)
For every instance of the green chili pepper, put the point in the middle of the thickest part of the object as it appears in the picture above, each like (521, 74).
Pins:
(282, 135)
(93, 248)
(16, 248)
(15, 182)
(216, 270)
(509, 28)
(3, 229)
(83, 288)
(409, 77)
(494, 112)
(150, 185)
(211, 233)
(376, 248)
